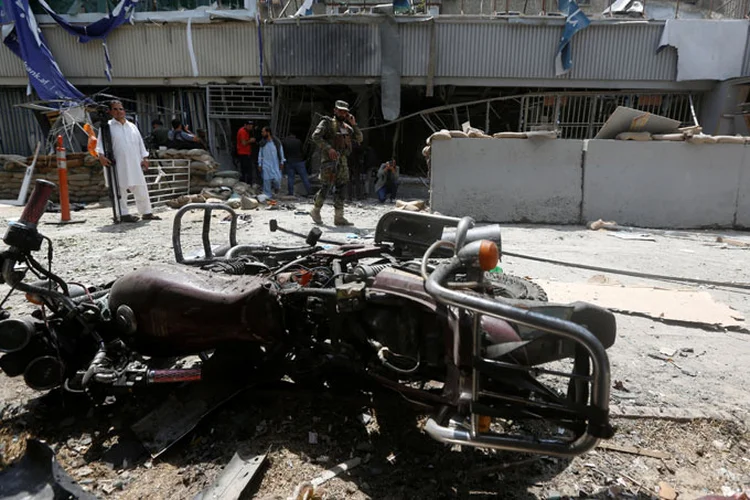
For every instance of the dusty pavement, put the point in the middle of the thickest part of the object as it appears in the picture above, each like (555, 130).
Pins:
(697, 456)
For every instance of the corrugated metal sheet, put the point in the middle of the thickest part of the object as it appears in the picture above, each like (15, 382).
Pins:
(466, 48)
(622, 52)
(228, 49)
(19, 130)
(746, 62)
(415, 49)
(10, 65)
(513, 50)
(323, 49)
(140, 51)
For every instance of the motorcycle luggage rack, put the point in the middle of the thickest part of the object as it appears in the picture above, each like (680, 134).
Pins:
(208, 253)
(596, 411)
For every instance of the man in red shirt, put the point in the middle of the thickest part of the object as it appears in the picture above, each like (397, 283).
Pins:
(245, 140)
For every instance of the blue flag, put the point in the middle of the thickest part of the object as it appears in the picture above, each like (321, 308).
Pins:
(575, 21)
(121, 14)
(26, 41)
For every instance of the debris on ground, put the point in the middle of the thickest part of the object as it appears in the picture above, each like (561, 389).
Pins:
(411, 206)
(335, 471)
(684, 306)
(234, 479)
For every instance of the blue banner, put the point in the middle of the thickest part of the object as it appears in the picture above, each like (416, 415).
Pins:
(26, 41)
(97, 30)
(575, 21)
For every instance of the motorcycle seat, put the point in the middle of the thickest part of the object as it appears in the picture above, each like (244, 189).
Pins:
(177, 310)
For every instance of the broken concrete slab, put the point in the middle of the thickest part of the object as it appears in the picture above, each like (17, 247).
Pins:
(625, 119)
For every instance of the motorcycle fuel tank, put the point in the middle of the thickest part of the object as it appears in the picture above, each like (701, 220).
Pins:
(174, 311)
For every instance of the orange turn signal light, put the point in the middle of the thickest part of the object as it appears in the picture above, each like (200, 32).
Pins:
(488, 255)
(34, 299)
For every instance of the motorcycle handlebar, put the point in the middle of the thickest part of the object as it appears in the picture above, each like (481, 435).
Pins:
(37, 203)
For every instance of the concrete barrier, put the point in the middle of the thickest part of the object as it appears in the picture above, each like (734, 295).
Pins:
(742, 217)
(508, 180)
(662, 184)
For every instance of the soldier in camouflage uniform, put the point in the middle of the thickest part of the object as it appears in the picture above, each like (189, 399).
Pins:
(334, 137)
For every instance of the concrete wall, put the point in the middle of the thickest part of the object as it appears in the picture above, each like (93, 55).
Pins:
(662, 184)
(742, 216)
(646, 184)
(508, 180)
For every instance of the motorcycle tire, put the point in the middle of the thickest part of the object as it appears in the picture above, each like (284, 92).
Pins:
(514, 287)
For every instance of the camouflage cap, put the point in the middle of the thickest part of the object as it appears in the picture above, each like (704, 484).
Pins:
(342, 105)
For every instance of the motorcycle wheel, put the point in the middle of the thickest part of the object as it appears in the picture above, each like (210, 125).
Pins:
(514, 287)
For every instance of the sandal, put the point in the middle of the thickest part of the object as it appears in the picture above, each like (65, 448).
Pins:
(129, 218)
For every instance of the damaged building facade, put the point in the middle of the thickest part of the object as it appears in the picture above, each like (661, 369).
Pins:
(215, 68)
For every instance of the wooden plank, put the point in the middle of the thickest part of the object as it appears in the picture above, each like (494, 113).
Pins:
(674, 414)
(634, 450)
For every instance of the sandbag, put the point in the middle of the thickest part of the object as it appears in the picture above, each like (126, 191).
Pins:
(669, 137)
(458, 134)
(228, 173)
(542, 134)
(249, 203)
(634, 136)
(195, 153)
(730, 139)
(442, 135)
(509, 135)
(701, 139)
(223, 181)
(478, 134)
(426, 151)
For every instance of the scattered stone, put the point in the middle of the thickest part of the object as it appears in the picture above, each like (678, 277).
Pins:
(84, 471)
(312, 437)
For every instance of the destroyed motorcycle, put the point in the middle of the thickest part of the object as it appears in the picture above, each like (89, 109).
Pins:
(416, 311)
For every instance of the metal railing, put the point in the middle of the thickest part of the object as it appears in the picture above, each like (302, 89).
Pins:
(166, 180)
(581, 116)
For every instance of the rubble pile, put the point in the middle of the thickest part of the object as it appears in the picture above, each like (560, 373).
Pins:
(225, 187)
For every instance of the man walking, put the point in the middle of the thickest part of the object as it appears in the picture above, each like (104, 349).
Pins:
(130, 160)
(295, 164)
(245, 142)
(334, 137)
(271, 161)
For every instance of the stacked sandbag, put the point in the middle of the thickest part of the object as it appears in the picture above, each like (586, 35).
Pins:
(85, 177)
(475, 133)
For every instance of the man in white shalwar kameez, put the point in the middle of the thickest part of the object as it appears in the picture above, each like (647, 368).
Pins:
(131, 159)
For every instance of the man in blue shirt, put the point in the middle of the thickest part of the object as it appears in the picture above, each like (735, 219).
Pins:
(270, 161)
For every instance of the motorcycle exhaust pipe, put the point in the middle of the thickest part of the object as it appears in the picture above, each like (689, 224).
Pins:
(15, 334)
(44, 373)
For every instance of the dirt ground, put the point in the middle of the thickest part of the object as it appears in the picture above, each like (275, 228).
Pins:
(698, 456)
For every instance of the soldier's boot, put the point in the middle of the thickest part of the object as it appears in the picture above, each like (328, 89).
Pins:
(339, 219)
(315, 214)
